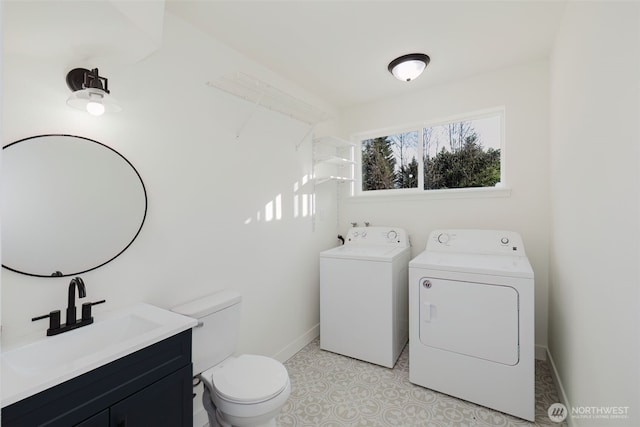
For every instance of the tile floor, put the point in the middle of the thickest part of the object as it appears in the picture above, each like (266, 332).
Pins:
(333, 390)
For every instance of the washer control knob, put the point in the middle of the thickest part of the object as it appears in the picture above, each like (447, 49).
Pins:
(443, 238)
(504, 241)
(355, 234)
(364, 234)
(391, 235)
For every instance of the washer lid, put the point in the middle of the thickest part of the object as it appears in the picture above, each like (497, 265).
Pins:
(250, 379)
(365, 252)
(495, 265)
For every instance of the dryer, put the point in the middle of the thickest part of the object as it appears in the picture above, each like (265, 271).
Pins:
(471, 319)
(364, 295)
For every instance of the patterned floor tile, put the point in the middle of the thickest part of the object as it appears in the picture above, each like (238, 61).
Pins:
(330, 390)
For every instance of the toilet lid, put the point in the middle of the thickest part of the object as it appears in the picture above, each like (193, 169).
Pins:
(250, 378)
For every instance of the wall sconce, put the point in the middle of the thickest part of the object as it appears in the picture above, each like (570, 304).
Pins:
(408, 67)
(90, 92)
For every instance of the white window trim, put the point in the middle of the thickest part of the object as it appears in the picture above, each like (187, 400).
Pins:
(500, 190)
(416, 194)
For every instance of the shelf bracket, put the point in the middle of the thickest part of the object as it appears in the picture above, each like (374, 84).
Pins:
(251, 114)
(311, 129)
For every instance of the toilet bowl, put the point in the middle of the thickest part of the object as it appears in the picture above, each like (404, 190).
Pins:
(239, 390)
(245, 391)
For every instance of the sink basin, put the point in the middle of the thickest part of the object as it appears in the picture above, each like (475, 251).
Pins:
(41, 364)
(71, 348)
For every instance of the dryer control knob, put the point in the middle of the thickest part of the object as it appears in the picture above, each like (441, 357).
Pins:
(364, 234)
(504, 241)
(443, 238)
(391, 235)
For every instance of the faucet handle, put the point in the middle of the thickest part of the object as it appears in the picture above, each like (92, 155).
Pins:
(86, 309)
(54, 320)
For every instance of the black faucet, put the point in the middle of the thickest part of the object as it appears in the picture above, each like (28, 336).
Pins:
(55, 327)
(71, 307)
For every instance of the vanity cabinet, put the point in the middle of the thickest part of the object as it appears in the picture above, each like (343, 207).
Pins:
(151, 387)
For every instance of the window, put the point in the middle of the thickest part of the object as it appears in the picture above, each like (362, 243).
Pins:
(454, 154)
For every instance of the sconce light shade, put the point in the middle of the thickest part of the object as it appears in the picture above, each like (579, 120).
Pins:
(90, 92)
(408, 67)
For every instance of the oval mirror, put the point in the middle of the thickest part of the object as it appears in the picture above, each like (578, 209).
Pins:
(69, 205)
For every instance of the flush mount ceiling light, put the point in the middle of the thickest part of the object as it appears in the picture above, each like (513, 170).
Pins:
(90, 92)
(408, 67)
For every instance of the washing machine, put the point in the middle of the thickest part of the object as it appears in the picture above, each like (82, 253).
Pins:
(363, 295)
(471, 319)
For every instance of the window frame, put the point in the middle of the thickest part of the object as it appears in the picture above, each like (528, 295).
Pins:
(499, 190)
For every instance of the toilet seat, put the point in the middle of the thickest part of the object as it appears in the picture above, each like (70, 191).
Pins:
(249, 379)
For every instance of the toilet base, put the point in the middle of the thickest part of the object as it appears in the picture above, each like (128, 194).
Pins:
(216, 419)
(218, 422)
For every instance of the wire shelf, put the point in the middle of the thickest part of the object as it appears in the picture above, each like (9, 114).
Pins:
(263, 94)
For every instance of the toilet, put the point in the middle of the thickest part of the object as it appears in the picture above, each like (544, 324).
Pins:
(239, 390)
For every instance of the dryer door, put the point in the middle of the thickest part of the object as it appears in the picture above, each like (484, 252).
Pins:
(474, 319)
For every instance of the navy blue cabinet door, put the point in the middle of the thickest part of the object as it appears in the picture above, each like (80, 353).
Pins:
(156, 404)
(100, 419)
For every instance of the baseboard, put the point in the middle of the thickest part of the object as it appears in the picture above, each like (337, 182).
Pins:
(298, 344)
(563, 396)
(541, 352)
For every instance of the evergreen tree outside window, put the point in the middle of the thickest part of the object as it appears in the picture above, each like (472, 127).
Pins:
(451, 155)
(389, 162)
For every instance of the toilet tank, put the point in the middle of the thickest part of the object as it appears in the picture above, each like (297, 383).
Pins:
(216, 335)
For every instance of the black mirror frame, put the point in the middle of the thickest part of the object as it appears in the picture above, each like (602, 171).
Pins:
(144, 216)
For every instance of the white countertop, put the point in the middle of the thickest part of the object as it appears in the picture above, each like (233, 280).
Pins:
(48, 361)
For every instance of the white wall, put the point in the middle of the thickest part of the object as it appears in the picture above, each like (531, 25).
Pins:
(594, 299)
(205, 190)
(524, 92)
